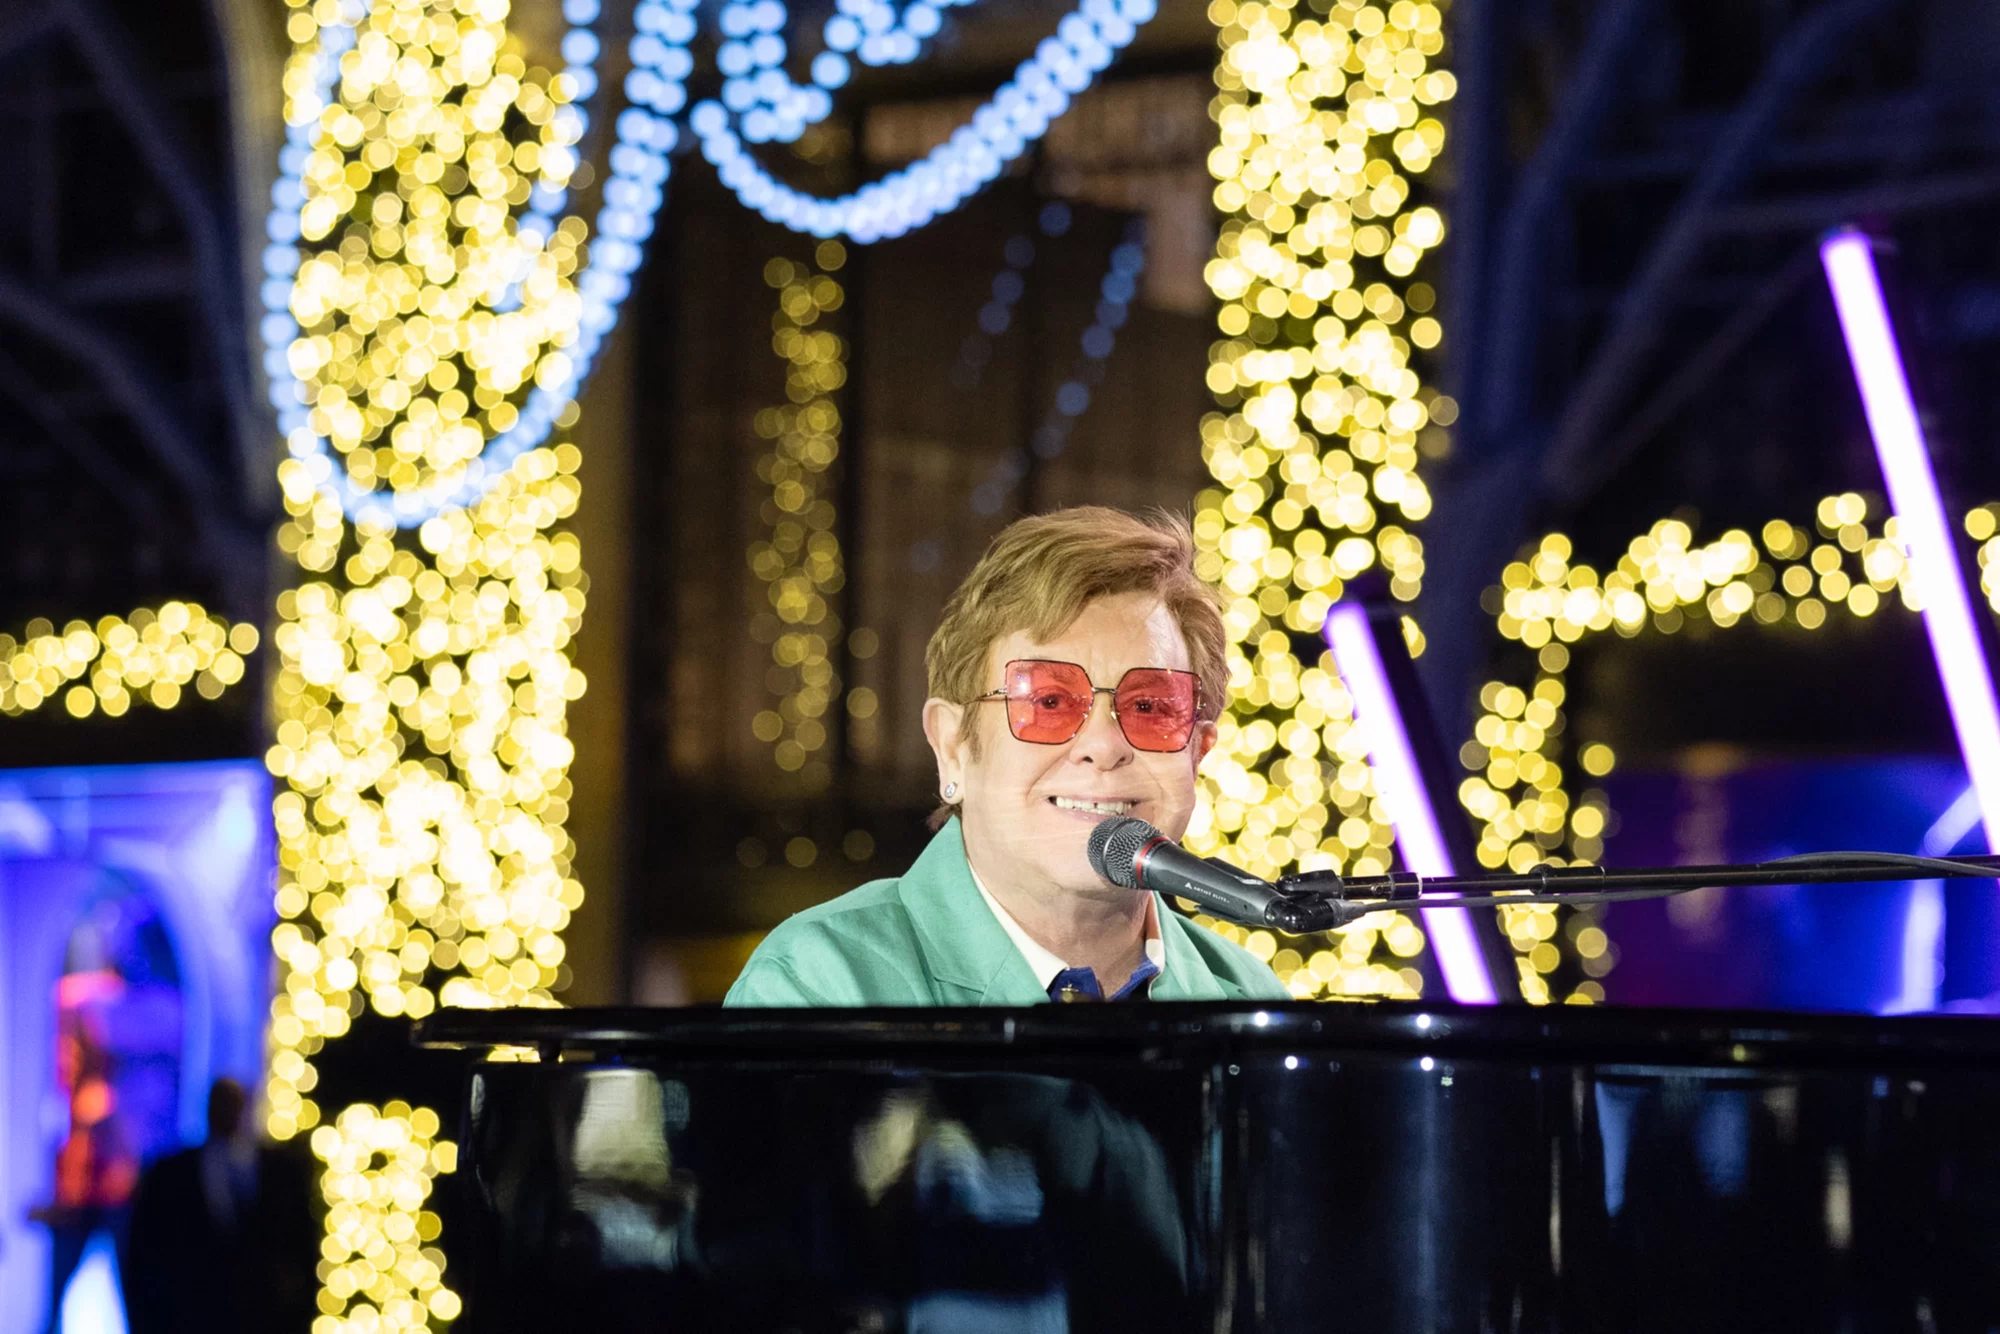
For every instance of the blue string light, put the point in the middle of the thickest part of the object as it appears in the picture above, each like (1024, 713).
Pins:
(996, 317)
(751, 58)
(765, 105)
(633, 192)
(1115, 293)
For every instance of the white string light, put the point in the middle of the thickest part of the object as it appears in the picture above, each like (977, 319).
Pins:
(755, 86)
(1063, 65)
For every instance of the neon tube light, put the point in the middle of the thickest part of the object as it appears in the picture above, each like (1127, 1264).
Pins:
(1401, 786)
(1920, 517)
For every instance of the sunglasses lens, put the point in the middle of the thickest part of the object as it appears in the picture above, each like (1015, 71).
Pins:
(1156, 708)
(1047, 702)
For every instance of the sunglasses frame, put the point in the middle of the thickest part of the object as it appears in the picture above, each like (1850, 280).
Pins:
(1000, 695)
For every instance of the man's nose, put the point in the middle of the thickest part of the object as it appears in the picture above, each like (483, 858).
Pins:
(1102, 742)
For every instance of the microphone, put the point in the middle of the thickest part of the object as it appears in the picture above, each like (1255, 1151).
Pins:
(1133, 855)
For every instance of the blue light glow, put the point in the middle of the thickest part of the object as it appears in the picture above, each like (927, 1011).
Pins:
(92, 1304)
(996, 317)
(773, 108)
(1051, 439)
(761, 104)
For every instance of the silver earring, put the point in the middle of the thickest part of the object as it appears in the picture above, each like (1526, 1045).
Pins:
(950, 791)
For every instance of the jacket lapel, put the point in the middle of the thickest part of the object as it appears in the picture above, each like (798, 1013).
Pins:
(967, 953)
(1187, 975)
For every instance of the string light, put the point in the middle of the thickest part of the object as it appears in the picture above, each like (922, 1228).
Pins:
(876, 34)
(996, 317)
(379, 1268)
(507, 307)
(800, 561)
(395, 868)
(1323, 128)
(751, 58)
(437, 338)
(420, 735)
(431, 317)
(1983, 526)
(1335, 965)
(1099, 340)
(150, 657)
(1547, 601)
(1063, 65)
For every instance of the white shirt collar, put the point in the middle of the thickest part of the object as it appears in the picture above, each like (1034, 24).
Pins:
(1045, 965)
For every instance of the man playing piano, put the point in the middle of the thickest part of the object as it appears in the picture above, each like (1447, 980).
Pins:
(1076, 676)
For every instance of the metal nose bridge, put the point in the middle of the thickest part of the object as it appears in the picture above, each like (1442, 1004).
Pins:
(1117, 725)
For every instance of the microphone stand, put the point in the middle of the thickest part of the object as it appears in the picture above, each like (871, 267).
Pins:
(1324, 901)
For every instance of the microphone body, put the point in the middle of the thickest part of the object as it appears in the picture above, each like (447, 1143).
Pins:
(1133, 855)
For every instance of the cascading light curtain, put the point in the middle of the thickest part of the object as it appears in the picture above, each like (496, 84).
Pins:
(423, 675)
(1327, 120)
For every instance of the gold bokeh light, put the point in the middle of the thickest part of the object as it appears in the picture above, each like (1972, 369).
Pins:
(424, 311)
(423, 678)
(149, 657)
(380, 1247)
(1324, 123)
(799, 558)
(1782, 576)
(1983, 526)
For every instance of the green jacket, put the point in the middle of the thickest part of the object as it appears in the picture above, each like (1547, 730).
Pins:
(929, 939)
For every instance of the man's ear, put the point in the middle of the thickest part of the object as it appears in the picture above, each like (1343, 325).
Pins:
(942, 720)
(1204, 741)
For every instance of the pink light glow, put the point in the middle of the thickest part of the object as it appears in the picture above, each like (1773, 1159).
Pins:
(1401, 786)
(1920, 518)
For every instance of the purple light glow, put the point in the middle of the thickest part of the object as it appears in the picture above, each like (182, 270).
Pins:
(1401, 786)
(1920, 517)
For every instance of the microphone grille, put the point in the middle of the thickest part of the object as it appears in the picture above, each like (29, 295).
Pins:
(1114, 845)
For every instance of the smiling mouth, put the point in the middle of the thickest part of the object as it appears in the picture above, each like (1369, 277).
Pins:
(1093, 807)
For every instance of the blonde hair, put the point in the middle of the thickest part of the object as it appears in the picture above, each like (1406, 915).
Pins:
(1042, 571)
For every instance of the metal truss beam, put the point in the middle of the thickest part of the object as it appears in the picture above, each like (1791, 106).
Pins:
(1495, 451)
(228, 547)
(1812, 213)
(145, 118)
(82, 448)
(1806, 53)
(1586, 105)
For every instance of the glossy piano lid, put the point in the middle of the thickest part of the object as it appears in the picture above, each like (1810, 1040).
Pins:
(1523, 1034)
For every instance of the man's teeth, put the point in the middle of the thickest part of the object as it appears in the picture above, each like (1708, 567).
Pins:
(1094, 807)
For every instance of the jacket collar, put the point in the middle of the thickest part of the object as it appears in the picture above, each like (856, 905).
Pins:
(1187, 975)
(966, 951)
(974, 962)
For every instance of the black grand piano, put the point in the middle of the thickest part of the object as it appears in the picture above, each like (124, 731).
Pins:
(1225, 1167)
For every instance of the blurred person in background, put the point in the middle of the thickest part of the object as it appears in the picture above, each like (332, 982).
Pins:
(96, 1165)
(223, 1236)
